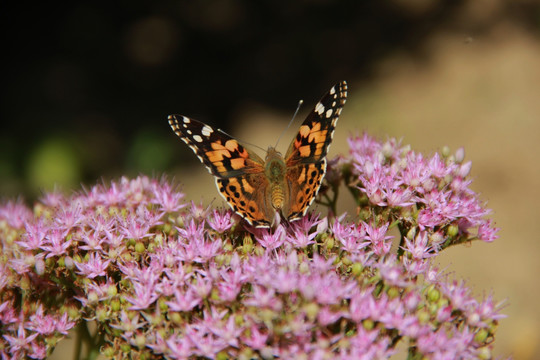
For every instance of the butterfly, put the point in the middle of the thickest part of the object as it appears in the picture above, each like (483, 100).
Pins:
(257, 189)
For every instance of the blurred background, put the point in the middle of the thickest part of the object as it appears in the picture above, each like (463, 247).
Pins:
(87, 87)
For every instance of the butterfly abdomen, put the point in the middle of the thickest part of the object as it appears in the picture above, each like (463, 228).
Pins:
(275, 170)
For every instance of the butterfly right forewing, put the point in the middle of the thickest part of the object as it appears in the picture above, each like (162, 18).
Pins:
(306, 157)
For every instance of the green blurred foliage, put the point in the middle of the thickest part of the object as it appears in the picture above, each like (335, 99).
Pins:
(148, 153)
(54, 163)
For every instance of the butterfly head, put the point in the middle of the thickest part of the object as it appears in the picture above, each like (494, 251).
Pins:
(274, 166)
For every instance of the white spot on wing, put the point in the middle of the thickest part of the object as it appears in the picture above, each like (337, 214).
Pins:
(206, 130)
(332, 90)
(197, 138)
(329, 113)
(319, 108)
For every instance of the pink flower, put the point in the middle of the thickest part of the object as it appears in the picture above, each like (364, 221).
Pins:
(419, 247)
(21, 340)
(56, 243)
(167, 198)
(487, 232)
(35, 236)
(15, 213)
(220, 221)
(184, 300)
(271, 240)
(41, 323)
(95, 266)
(326, 316)
(128, 324)
(351, 236)
(378, 238)
(181, 347)
(176, 281)
(256, 339)
(300, 239)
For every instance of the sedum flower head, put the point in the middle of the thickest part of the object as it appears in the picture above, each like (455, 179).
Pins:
(162, 278)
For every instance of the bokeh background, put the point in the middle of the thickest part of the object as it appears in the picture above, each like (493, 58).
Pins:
(87, 86)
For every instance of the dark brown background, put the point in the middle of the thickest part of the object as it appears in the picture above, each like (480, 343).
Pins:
(87, 88)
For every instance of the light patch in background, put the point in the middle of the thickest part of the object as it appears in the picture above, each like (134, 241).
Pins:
(151, 41)
(482, 96)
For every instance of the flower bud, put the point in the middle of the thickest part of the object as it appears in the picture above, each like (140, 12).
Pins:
(93, 297)
(460, 155)
(140, 341)
(101, 314)
(39, 266)
(445, 151)
(112, 290)
(433, 295)
(484, 353)
(481, 336)
(69, 262)
(115, 305)
(465, 169)
(368, 324)
(452, 230)
(311, 310)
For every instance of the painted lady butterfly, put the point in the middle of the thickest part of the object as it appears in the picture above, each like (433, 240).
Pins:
(255, 188)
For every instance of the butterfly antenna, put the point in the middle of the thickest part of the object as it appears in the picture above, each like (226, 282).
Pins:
(242, 141)
(290, 122)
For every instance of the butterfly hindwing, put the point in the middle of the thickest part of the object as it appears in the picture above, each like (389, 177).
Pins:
(246, 196)
(305, 181)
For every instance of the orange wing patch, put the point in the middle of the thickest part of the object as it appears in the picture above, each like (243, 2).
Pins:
(315, 134)
(305, 189)
(245, 195)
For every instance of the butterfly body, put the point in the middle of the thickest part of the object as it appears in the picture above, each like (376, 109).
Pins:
(275, 170)
(255, 188)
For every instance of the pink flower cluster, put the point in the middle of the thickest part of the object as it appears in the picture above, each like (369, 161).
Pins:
(162, 278)
(431, 194)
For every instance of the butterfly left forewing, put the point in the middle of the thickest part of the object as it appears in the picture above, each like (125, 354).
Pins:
(222, 155)
(239, 173)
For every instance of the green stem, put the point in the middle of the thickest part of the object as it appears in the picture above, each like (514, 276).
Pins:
(92, 344)
(400, 249)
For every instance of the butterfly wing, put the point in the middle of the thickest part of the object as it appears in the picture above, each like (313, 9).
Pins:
(306, 156)
(239, 173)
